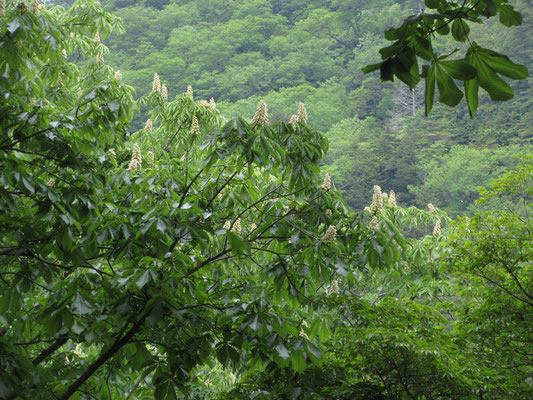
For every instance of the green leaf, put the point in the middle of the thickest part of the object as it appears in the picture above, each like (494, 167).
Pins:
(143, 279)
(298, 361)
(471, 91)
(432, 3)
(460, 30)
(238, 245)
(81, 306)
(282, 351)
(165, 390)
(430, 88)
(508, 16)
(448, 90)
(459, 69)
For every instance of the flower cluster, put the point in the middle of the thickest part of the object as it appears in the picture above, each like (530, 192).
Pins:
(373, 224)
(436, 229)
(112, 153)
(148, 125)
(136, 158)
(330, 234)
(302, 334)
(190, 91)
(195, 126)
(293, 120)
(51, 182)
(156, 84)
(302, 113)
(59, 81)
(212, 103)
(431, 208)
(99, 58)
(96, 38)
(2, 7)
(150, 156)
(237, 226)
(334, 288)
(377, 199)
(118, 75)
(326, 184)
(164, 92)
(35, 7)
(261, 115)
(392, 198)
(64, 53)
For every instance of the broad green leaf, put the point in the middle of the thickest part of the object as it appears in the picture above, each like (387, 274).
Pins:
(460, 30)
(448, 90)
(298, 361)
(432, 3)
(81, 306)
(508, 16)
(459, 69)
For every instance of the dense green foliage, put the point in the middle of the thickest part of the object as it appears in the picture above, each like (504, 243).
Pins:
(194, 257)
(241, 51)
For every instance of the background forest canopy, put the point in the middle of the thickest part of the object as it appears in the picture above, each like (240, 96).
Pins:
(241, 51)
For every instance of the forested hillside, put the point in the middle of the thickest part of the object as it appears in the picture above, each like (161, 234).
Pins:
(241, 51)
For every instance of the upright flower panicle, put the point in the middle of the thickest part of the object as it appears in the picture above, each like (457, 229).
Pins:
(302, 113)
(261, 115)
(436, 229)
(326, 184)
(377, 199)
(373, 224)
(330, 234)
(392, 198)
(190, 92)
(329, 213)
(150, 156)
(2, 7)
(204, 104)
(64, 53)
(136, 158)
(302, 334)
(385, 196)
(118, 75)
(35, 7)
(293, 120)
(431, 208)
(232, 378)
(227, 224)
(156, 84)
(334, 288)
(96, 38)
(195, 126)
(51, 182)
(112, 153)
(212, 103)
(59, 81)
(148, 125)
(237, 227)
(100, 58)
(164, 92)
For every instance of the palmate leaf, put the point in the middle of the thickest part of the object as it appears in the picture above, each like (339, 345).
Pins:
(489, 65)
(442, 73)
